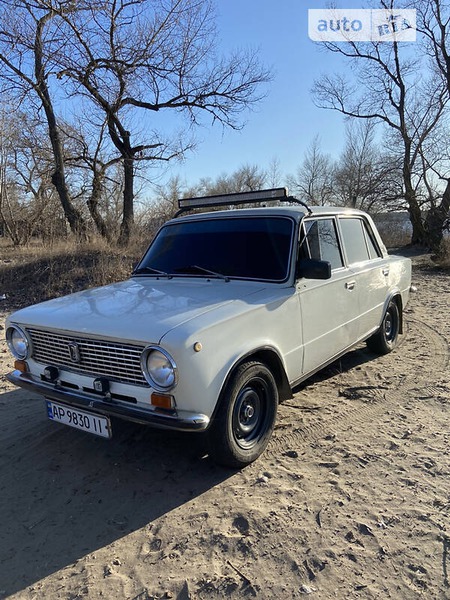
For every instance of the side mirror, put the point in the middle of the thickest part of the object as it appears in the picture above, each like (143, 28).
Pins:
(313, 269)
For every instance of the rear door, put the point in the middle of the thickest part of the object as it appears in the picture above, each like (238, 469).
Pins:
(370, 270)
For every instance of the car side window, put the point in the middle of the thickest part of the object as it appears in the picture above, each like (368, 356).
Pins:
(355, 240)
(321, 242)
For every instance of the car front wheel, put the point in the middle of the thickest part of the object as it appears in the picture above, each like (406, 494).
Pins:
(386, 338)
(245, 417)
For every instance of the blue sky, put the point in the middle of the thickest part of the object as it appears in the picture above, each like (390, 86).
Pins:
(284, 123)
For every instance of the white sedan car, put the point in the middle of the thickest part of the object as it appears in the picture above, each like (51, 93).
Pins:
(225, 314)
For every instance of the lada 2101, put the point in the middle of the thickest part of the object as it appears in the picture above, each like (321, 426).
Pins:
(225, 314)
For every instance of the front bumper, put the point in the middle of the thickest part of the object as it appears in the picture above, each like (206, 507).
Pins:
(178, 419)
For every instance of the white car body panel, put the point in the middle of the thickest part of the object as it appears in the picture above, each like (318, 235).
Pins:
(330, 325)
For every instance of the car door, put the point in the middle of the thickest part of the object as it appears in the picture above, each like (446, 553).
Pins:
(329, 308)
(370, 269)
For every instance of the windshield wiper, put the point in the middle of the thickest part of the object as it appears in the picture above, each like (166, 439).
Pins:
(151, 271)
(197, 269)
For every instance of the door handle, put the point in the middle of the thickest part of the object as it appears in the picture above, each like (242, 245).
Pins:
(386, 271)
(350, 285)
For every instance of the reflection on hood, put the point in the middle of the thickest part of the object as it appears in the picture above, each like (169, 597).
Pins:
(140, 309)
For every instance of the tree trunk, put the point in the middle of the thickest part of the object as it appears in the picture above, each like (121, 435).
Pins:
(9, 230)
(92, 204)
(437, 216)
(121, 140)
(415, 215)
(418, 235)
(12, 232)
(127, 224)
(73, 216)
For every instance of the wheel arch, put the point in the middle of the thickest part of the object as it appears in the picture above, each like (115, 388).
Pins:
(272, 360)
(397, 298)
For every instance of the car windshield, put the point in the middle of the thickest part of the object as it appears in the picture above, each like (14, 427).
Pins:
(233, 247)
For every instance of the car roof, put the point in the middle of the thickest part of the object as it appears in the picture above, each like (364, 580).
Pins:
(295, 212)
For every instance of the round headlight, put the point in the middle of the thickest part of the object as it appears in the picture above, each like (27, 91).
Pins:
(159, 368)
(17, 342)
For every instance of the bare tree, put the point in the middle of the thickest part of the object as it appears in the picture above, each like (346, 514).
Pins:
(87, 157)
(244, 179)
(434, 24)
(8, 217)
(29, 204)
(136, 58)
(26, 46)
(390, 91)
(131, 60)
(313, 182)
(165, 205)
(274, 173)
(366, 176)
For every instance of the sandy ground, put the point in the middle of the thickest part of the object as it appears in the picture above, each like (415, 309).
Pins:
(352, 499)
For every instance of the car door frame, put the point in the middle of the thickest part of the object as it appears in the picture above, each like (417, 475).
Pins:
(371, 277)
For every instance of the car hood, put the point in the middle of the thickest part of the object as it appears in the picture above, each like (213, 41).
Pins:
(140, 309)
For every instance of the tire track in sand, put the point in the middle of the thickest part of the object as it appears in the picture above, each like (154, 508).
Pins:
(434, 359)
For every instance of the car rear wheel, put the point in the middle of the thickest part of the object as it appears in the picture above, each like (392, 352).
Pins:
(386, 338)
(245, 417)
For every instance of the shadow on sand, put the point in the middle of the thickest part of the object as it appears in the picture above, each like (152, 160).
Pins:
(65, 493)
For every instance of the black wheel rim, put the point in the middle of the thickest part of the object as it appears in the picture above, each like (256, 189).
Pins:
(250, 414)
(390, 326)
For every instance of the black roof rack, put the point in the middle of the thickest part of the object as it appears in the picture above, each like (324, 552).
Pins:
(273, 194)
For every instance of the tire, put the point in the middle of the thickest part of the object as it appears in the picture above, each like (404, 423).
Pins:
(245, 418)
(386, 338)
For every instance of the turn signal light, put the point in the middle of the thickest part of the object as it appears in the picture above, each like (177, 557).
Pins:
(162, 401)
(21, 365)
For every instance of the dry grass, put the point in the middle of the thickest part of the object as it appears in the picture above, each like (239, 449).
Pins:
(33, 274)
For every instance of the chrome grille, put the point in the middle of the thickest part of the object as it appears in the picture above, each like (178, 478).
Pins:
(116, 361)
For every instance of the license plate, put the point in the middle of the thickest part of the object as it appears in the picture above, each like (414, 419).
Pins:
(80, 419)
